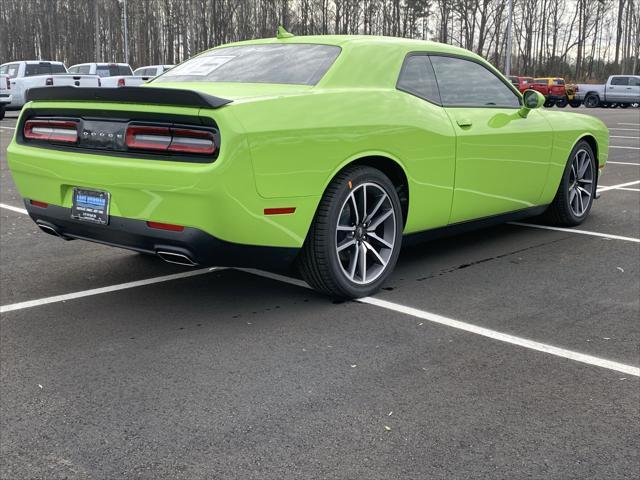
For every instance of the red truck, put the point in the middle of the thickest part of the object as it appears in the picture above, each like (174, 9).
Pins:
(522, 83)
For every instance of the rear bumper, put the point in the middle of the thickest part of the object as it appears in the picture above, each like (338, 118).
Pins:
(193, 244)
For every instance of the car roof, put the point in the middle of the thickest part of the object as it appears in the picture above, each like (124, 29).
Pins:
(355, 40)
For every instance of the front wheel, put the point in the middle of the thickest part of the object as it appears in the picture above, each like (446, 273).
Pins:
(563, 102)
(355, 238)
(574, 198)
(574, 103)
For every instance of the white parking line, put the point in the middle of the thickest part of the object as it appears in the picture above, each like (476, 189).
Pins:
(625, 129)
(613, 187)
(112, 288)
(8, 128)
(629, 189)
(626, 148)
(471, 328)
(573, 230)
(620, 136)
(623, 163)
(13, 209)
(632, 124)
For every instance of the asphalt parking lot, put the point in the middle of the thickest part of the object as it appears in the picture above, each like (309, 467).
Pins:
(510, 352)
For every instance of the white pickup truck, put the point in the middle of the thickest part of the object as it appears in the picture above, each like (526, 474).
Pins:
(620, 90)
(24, 75)
(151, 70)
(5, 93)
(110, 74)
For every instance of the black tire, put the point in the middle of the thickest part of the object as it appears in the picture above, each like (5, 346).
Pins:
(549, 103)
(562, 103)
(591, 101)
(2, 110)
(575, 103)
(561, 212)
(319, 261)
(624, 105)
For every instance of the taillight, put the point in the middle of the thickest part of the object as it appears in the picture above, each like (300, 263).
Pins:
(51, 130)
(170, 139)
(121, 82)
(49, 82)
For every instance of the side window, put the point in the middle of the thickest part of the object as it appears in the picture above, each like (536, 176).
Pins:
(620, 81)
(73, 69)
(417, 77)
(634, 81)
(84, 69)
(465, 83)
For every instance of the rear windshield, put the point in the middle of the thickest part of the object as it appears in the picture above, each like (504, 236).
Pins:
(558, 81)
(301, 64)
(43, 69)
(112, 70)
(543, 81)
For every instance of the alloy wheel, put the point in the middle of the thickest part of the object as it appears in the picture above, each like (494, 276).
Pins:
(365, 233)
(581, 182)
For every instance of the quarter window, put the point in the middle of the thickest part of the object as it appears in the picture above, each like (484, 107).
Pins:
(417, 77)
(465, 83)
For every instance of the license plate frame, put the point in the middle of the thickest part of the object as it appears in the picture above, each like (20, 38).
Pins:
(89, 205)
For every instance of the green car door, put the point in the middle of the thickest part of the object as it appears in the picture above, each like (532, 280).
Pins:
(502, 159)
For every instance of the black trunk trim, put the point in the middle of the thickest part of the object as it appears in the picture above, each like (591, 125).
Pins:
(145, 95)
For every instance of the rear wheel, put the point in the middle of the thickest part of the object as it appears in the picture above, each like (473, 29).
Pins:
(549, 103)
(355, 238)
(574, 103)
(562, 103)
(591, 101)
(574, 198)
(624, 105)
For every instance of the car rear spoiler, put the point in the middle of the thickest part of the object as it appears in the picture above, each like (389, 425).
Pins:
(147, 95)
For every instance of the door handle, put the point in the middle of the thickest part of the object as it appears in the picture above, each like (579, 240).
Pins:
(464, 122)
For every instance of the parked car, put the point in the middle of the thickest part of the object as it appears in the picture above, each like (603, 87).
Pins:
(620, 90)
(5, 93)
(521, 83)
(151, 70)
(110, 74)
(36, 73)
(302, 151)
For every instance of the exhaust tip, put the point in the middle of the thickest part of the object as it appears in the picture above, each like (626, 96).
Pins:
(177, 258)
(48, 229)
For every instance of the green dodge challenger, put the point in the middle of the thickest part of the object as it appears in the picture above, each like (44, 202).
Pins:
(323, 152)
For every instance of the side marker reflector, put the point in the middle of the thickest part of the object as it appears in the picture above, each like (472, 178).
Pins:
(36, 203)
(279, 211)
(165, 226)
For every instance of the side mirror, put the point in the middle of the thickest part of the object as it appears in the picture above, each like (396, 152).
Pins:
(531, 99)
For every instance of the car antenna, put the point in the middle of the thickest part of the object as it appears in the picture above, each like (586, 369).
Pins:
(282, 33)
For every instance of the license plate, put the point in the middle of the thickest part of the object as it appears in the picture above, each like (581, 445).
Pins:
(90, 206)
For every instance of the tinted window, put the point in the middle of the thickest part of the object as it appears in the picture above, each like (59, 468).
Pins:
(123, 70)
(620, 81)
(466, 83)
(558, 81)
(417, 77)
(10, 69)
(634, 81)
(43, 69)
(542, 81)
(302, 64)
